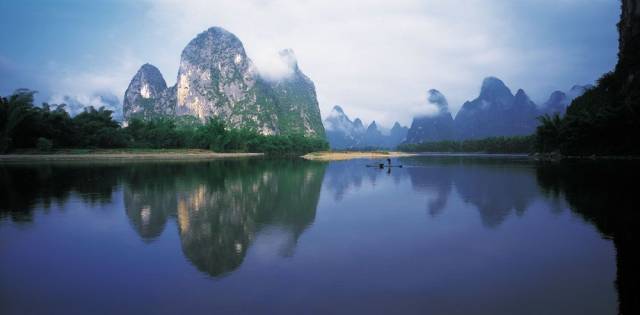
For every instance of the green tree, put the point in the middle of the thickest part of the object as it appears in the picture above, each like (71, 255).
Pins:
(13, 111)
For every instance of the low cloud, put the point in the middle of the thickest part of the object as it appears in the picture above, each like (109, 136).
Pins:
(98, 87)
(272, 66)
(76, 104)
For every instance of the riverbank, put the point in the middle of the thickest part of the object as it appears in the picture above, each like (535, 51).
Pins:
(121, 154)
(339, 156)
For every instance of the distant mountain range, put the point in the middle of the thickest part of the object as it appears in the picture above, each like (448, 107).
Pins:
(217, 79)
(344, 134)
(495, 112)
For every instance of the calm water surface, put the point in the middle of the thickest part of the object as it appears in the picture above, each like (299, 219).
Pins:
(443, 235)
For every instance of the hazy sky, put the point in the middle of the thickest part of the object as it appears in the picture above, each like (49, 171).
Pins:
(377, 58)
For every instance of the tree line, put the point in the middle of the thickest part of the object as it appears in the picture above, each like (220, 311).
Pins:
(605, 120)
(521, 144)
(47, 127)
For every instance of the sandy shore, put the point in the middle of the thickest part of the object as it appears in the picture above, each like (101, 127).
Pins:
(125, 155)
(337, 156)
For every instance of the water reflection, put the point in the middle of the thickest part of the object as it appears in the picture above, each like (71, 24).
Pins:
(604, 193)
(23, 187)
(497, 188)
(220, 207)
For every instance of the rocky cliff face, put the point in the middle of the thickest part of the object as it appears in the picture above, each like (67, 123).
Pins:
(142, 99)
(216, 78)
(297, 100)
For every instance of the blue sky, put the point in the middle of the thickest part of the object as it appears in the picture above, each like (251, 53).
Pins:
(377, 59)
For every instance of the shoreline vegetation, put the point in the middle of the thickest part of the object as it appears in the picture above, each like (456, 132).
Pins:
(492, 145)
(50, 128)
(121, 155)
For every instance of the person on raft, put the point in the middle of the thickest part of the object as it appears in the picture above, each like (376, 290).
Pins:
(388, 164)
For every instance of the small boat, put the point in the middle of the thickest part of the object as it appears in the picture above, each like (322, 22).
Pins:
(383, 165)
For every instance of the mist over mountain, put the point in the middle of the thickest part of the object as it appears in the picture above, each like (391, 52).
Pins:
(495, 112)
(344, 134)
(433, 128)
(216, 78)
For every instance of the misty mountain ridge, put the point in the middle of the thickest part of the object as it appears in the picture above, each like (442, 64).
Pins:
(495, 112)
(345, 134)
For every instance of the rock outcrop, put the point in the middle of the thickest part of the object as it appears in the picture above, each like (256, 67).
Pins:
(217, 79)
(143, 98)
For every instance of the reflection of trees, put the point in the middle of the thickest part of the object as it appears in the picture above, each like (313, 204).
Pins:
(604, 194)
(25, 186)
(220, 206)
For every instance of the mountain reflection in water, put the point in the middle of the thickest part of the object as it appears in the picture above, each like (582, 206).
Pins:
(222, 208)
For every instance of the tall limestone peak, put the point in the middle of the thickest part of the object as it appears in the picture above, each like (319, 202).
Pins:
(217, 79)
(145, 88)
(496, 112)
(494, 90)
(295, 94)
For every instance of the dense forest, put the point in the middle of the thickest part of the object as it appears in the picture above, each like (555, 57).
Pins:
(606, 119)
(525, 144)
(48, 127)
